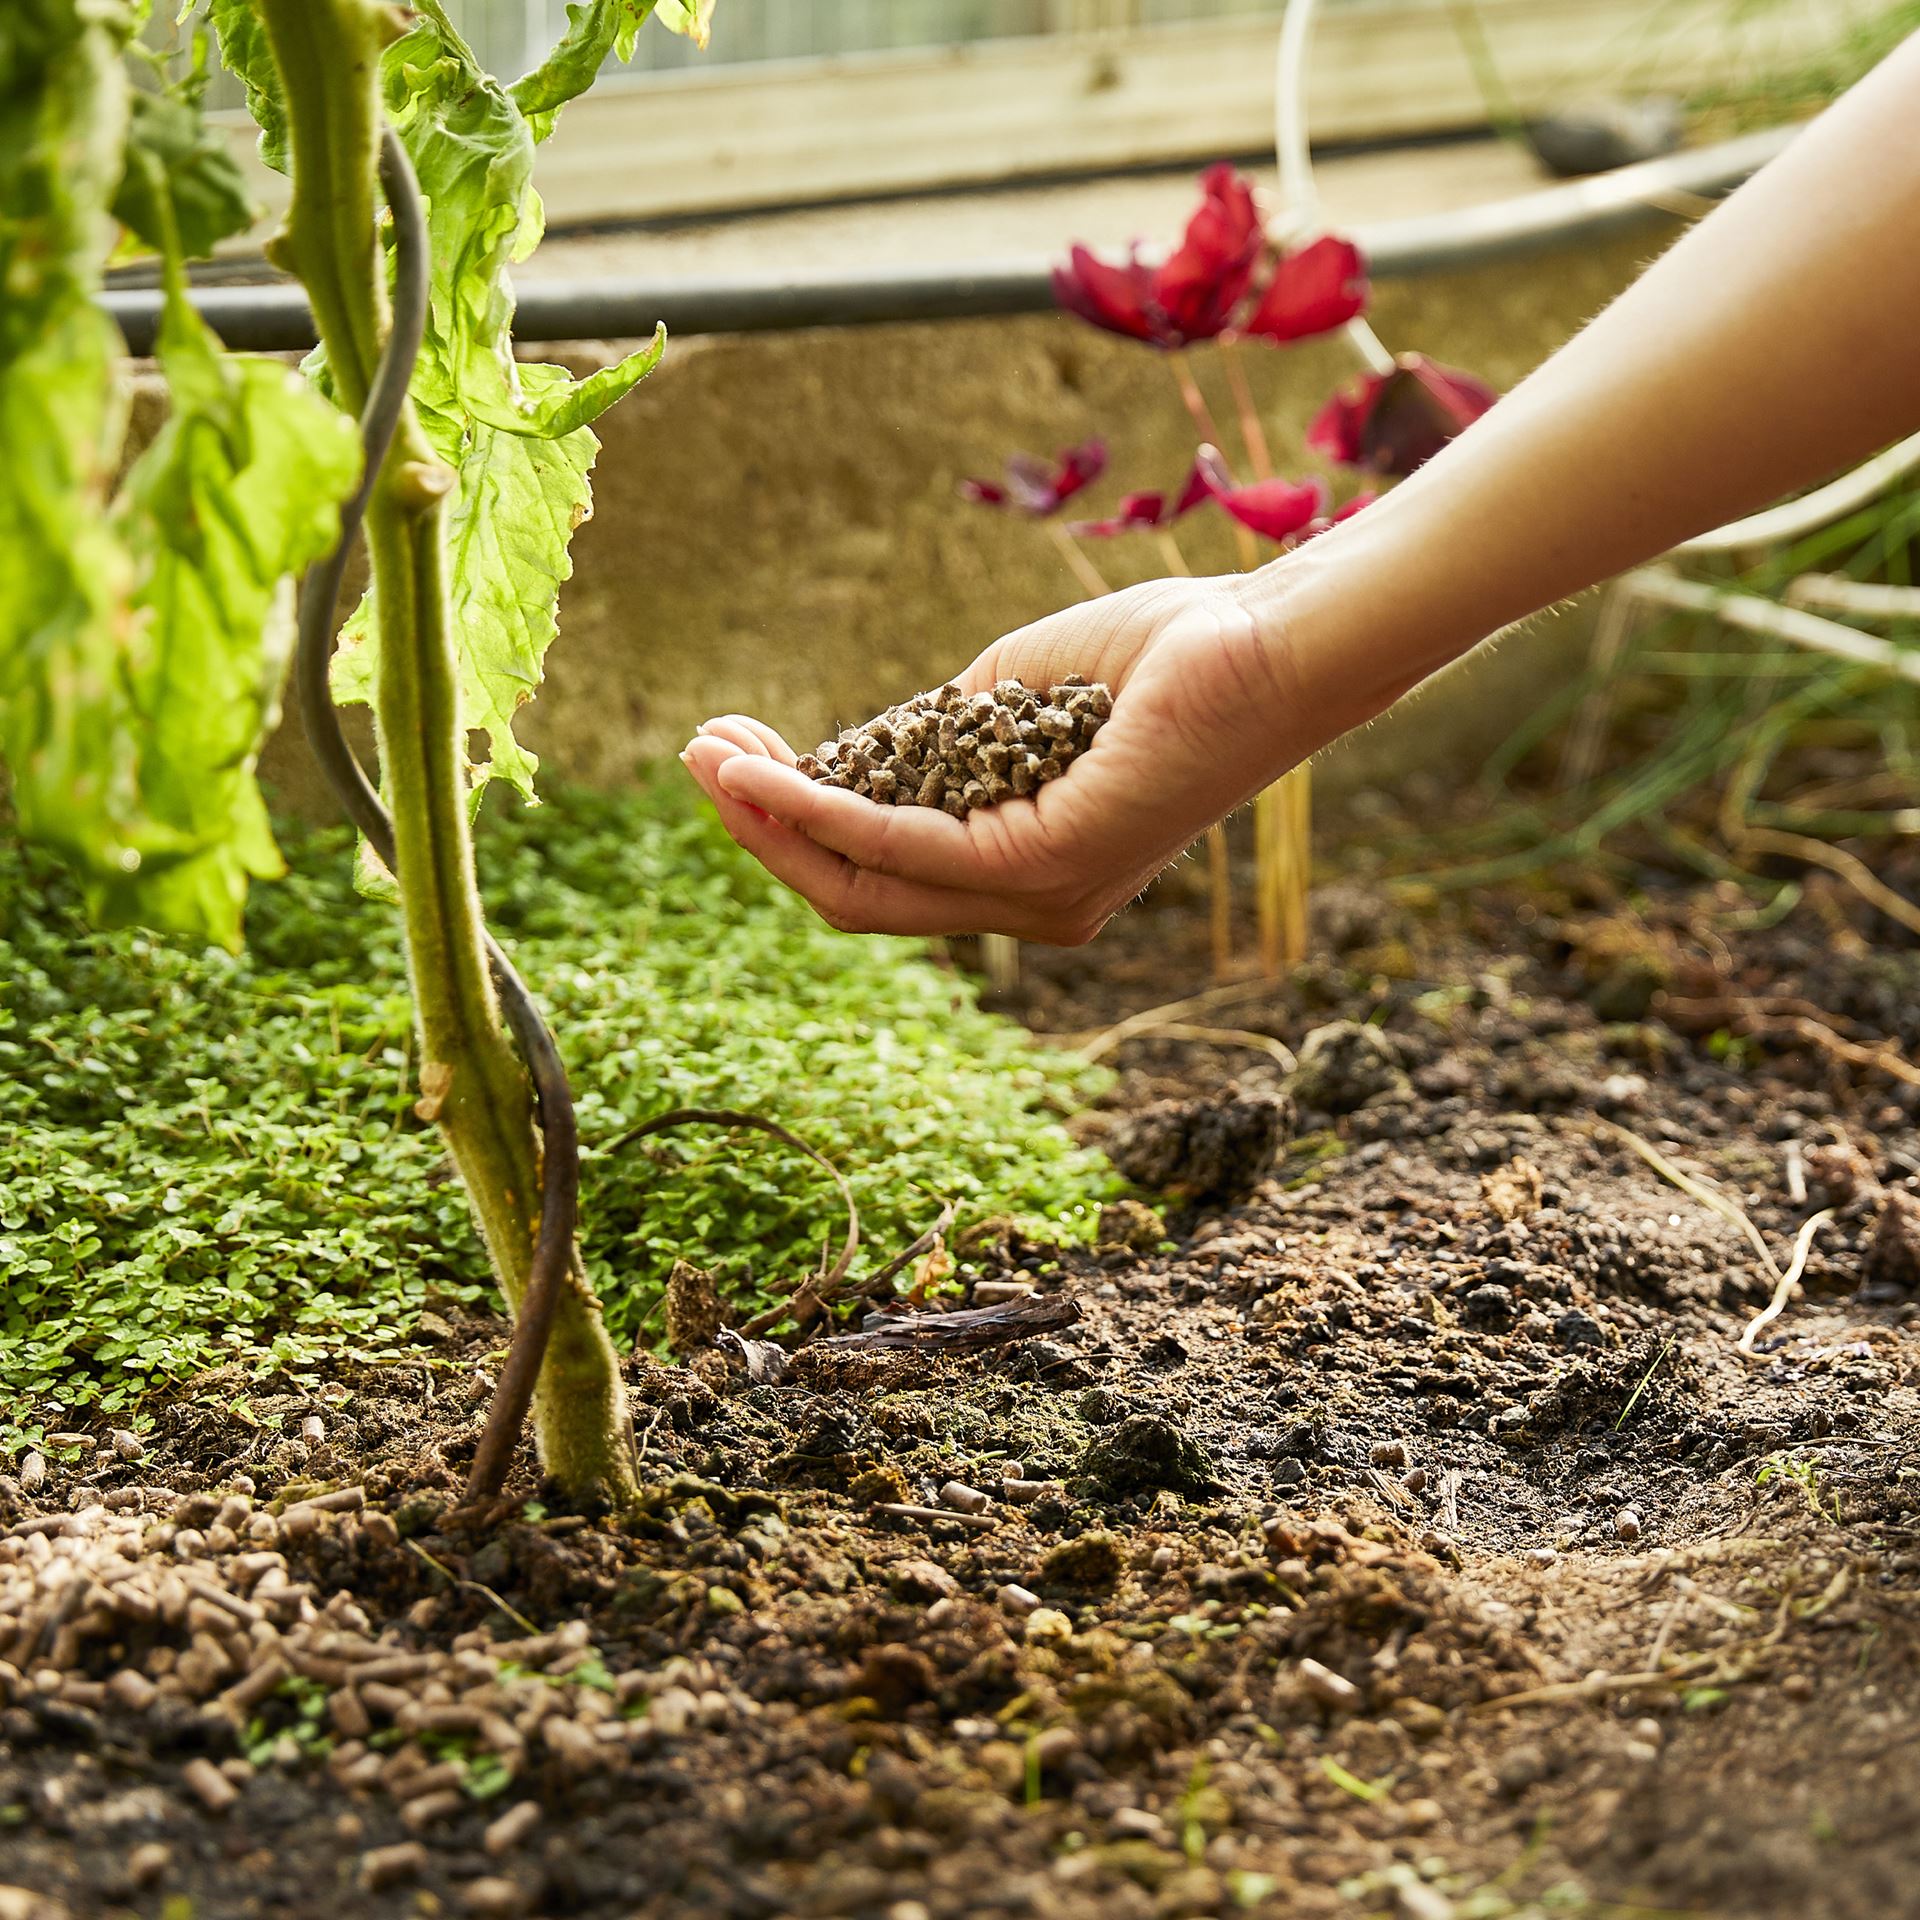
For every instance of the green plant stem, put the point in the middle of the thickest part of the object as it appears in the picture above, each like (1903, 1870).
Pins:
(328, 52)
(1252, 434)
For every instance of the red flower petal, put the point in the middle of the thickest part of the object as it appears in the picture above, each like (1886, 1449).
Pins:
(1205, 277)
(1275, 509)
(1135, 512)
(1034, 486)
(1117, 299)
(1321, 287)
(1080, 467)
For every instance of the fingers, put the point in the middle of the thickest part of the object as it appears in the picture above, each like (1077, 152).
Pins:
(854, 897)
(914, 843)
(750, 735)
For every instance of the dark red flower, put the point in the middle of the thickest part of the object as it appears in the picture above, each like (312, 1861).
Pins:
(1033, 486)
(1192, 294)
(1274, 509)
(1322, 286)
(1143, 512)
(1391, 423)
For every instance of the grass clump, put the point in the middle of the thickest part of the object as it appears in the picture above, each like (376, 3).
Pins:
(214, 1158)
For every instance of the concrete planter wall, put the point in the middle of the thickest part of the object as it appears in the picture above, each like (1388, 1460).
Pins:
(777, 529)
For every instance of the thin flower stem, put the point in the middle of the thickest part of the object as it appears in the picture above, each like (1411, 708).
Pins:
(1369, 347)
(1219, 899)
(1269, 860)
(1252, 433)
(1248, 545)
(1293, 151)
(1074, 555)
(1196, 401)
(1171, 554)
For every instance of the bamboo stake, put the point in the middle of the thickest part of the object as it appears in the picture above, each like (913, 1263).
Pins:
(1000, 961)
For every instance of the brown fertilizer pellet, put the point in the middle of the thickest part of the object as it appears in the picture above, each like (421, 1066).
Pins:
(958, 751)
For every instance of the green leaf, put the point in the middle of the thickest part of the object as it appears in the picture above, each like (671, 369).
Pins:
(595, 30)
(191, 164)
(245, 54)
(517, 436)
(63, 114)
(519, 500)
(142, 639)
(238, 493)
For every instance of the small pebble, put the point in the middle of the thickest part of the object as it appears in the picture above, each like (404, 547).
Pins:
(1330, 1688)
(1626, 1524)
(1415, 1900)
(1048, 1624)
(127, 1444)
(313, 1430)
(33, 1473)
(1017, 1599)
(1388, 1453)
(961, 1497)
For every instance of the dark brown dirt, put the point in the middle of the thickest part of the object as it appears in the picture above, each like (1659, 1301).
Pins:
(1417, 1539)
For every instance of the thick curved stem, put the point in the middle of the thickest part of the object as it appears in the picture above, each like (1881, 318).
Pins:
(472, 1083)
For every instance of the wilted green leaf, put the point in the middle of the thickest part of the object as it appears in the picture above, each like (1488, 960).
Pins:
(694, 18)
(245, 54)
(141, 639)
(238, 493)
(170, 146)
(516, 435)
(595, 30)
(63, 112)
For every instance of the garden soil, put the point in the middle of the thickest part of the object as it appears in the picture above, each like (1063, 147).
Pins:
(1403, 1530)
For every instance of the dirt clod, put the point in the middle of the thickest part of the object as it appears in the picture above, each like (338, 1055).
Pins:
(693, 1309)
(1147, 1453)
(1893, 1254)
(1344, 1065)
(1219, 1147)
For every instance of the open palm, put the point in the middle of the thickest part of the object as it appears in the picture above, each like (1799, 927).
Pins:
(1192, 735)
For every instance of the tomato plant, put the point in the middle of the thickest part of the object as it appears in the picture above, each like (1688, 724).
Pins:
(148, 616)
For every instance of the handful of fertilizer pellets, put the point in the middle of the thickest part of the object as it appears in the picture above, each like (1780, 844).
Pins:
(956, 751)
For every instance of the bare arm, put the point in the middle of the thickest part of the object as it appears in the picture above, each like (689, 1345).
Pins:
(1778, 340)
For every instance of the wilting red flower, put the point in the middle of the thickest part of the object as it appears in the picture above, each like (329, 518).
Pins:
(1033, 486)
(1192, 294)
(1144, 512)
(1392, 423)
(1275, 509)
(1322, 286)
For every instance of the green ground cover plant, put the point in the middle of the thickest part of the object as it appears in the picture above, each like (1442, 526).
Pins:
(214, 1158)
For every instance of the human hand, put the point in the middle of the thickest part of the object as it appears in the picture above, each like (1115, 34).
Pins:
(1198, 726)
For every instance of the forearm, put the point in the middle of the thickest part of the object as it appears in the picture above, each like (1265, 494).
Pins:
(1778, 340)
